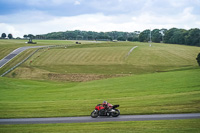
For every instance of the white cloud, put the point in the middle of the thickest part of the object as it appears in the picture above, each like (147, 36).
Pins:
(77, 2)
(180, 3)
(100, 22)
(6, 28)
(135, 18)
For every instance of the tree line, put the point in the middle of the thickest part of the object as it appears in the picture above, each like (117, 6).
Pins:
(172, 36)
(3, 36)
(89, 35)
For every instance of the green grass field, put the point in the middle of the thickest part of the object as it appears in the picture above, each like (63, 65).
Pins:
(103, 60)
(168, 92)
(168, 126)
(111, 58)
(163, 78)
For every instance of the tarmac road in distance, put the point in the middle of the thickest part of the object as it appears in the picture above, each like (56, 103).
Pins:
(15, 53)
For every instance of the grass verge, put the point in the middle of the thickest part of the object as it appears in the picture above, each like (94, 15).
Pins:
(164, 126)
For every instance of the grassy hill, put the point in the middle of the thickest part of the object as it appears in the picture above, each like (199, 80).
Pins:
(168, 92)
(163, 78)
(104, 60)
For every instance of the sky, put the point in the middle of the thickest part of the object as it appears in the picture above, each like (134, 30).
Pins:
(20, 17)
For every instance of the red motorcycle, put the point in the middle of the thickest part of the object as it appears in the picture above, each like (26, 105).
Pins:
(101, 111)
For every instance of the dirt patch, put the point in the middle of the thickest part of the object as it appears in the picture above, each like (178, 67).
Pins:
(81, 77)
(39, 74)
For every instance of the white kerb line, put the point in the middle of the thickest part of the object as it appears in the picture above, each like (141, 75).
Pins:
(130, 51)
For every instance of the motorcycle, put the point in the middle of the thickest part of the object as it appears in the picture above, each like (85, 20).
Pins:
(101, 111)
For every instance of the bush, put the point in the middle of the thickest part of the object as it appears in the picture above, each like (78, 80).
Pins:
(198, 59)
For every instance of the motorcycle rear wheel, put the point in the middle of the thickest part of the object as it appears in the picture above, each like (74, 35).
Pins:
(94, 114)
(116, 113)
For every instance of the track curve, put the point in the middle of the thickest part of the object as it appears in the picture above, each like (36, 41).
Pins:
(14, 53)
(100, 119)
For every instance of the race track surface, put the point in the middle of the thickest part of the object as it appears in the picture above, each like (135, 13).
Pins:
(15, 53)
(100, 119)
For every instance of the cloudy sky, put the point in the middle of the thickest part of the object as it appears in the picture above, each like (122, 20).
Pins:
(21, 17)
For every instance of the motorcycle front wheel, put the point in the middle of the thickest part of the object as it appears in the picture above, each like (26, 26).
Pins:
(116, 113)
(94, 114)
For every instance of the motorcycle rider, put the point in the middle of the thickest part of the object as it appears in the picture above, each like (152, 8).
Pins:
(107, 106)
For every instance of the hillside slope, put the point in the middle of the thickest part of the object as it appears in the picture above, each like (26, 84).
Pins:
(96, 61)
(168, 92)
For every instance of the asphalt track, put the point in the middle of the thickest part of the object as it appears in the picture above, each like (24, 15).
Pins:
(15, 53)
(100, 119)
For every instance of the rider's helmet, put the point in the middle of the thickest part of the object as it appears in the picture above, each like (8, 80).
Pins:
(105, 102)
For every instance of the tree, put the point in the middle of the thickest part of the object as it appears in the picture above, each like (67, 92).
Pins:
(30, 38)
(162, 32)
(10, 36)
(144, 36)
(79, 37)
(130, 38)
(3, 35)
(156, 36)
(135, 35)
(25, 36)
(121, 38)
(193, 37)
(179, 36)
(198, 59)
(169, 35)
